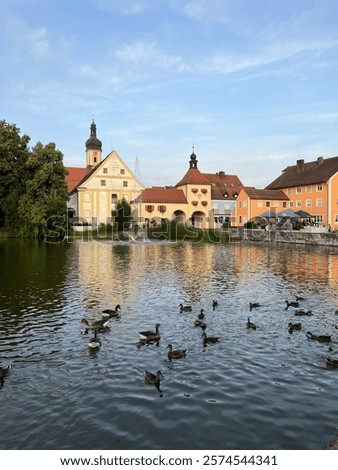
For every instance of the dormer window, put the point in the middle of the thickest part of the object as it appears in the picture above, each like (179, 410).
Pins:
(225, 195)
(235, 195)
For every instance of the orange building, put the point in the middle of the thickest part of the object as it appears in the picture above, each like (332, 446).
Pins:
(253, 203)
(312, 187)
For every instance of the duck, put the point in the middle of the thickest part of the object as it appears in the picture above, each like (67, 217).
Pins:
(201, 314)
(147, 336)
(249, 324)
(209, 339)
(298, 298)
(96, 325)
(254, 305)
(214, 304)
(201, 324)
(320, 338)
(175, 354)
(3, 373)
(185, 308)
(331, 362)
(302, 313)
(111, 313)
(94, 342)
(291, 304)
(154, 379)
(294, 326)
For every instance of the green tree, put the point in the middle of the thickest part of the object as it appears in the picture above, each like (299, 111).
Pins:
(45, 198)
(14, 152)
(122, 215)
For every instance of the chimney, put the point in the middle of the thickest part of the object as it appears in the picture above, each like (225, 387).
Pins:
(221, 173)
(300, 166)
(320, 160)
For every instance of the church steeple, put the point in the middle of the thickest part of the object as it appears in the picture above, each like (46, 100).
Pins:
(93, 147)
(193, 159)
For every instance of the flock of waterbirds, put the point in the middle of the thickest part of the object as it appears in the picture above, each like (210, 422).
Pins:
(154, 336)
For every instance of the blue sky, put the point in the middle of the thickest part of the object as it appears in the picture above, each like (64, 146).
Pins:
(252, 84)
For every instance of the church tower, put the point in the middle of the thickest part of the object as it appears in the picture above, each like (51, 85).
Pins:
(93, 148)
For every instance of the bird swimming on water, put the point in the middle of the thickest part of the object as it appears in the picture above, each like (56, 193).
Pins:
(94, 342)
(3, 373)
(250, 324)
(148, 336)
(154, 379)
(175, 354)
(96, 325)
(209, 339)
(111, 313)
(185, 308)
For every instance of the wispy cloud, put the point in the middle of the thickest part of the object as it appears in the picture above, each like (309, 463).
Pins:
(148, 52)
(129, 7)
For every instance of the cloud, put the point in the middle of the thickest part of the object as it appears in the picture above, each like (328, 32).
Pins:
(37, 41)
(126, 8)
(148, 52)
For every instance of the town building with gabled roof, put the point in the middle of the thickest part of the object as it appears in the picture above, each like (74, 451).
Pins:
(95, 189)
(313, 188)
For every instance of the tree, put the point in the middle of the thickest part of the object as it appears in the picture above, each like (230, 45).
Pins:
(14, 152)
(33, 191)
(122, 215)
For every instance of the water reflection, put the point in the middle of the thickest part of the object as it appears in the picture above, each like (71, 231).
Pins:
(273, 389)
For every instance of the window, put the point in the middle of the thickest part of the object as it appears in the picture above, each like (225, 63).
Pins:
(122, 171)
(240, 204)
(275, 204)
(114, 198)
(105, 170)
(298, 203)
(267, 204)
(125, 184)
(161, 208)
(308, 203)
(289, 191)
(336, 218)
(319, 188)
(103, 182)
(149, 208)
(318, 219)
(319, 202)
(245, 204)
(308, 189)
(259, 203)
(298, 190)
(284, 205)
(291, 204)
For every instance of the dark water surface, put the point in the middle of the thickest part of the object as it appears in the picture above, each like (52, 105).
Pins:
(263, 389)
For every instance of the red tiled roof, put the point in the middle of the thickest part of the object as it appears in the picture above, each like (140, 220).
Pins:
(302, 174)
(193, 176)
(159, 195)
(222, 183)
(266, 194)
(75, 175)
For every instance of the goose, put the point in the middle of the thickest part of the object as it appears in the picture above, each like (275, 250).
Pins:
(331, 362)
(209, 339)
(254, 305)
(294, 326)
(302, 313)
(147, 336)
(154, 379)
(249, 324)
(201, 324)
(3, 372)
(94, 342)
(201, 314)
(185, 308)
(110, 313)
(291, 304)
(96, 325)
(320, 338)
(214, 304)
(175, 354)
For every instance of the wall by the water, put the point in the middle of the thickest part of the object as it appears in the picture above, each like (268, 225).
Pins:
(284, 236)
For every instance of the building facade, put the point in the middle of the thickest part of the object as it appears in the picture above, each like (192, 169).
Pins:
(312, 187)
(95, 190)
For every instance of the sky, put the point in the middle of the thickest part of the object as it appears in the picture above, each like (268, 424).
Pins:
(251, 85)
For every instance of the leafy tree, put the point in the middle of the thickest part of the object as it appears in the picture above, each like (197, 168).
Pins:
(122, 215)
(33, 191)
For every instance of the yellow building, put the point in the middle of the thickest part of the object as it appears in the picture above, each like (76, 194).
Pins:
(189, 201)
(95, 190)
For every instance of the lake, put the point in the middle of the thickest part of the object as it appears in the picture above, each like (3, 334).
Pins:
(255, 389)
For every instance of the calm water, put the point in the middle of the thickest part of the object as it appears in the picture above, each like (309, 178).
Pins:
(263, 389)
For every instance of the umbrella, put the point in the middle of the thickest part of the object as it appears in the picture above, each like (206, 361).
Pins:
(288, 214)
(268, 215)
(303, 214)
